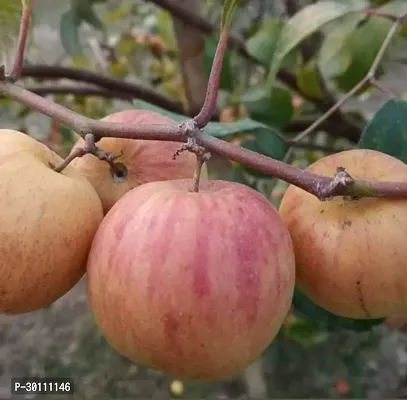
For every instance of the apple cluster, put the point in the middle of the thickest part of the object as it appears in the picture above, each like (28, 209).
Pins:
(194, 283)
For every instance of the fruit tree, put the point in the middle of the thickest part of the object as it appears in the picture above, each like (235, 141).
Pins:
(198, 233)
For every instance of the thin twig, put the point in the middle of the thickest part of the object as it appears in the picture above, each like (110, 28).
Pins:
(209, 106)
(88, 148)
(22, 40)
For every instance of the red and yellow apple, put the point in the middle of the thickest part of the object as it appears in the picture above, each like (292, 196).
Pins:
(195, 284)
(145, 160)
(48, 220)
(351, 255)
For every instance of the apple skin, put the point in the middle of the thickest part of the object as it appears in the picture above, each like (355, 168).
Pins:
(351, 256)
(193, 284)
(145, 160)
(48, 220)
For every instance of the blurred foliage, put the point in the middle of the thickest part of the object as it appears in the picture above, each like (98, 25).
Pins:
(135, 41)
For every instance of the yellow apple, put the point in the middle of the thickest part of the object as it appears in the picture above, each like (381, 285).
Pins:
(351, 255)
(48, 220)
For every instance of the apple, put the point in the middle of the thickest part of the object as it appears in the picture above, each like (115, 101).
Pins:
(195, 284)
(48, 220)
(144, 160)
(351, 255)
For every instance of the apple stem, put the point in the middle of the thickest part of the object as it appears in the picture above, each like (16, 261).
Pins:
(192, 131)
(200, 161)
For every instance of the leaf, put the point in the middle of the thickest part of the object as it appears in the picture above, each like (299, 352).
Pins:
(333, 57)
(10, 16)
(85, 12)
(69, 33)
(362, 46)
(395, 7)
(264, 142)
(236, 174)
(226, 77)
(304, 307)
(273, 108)
(247, 125)
(308, 79)
(387, 132)
(305, 332)
(262, 45)
(143, 105)
(80, 11)
(229, 7)
(217, 129)
(306, 22)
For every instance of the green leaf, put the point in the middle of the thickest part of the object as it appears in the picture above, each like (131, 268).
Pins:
(80, 11)
(229, 7)
(10, 16)
(304, 307)
(226, 77)
(262, 45)
(217, 129)
(69, 33)
(363, 45)
(85, 12)
(333, 57)
(306, 22)
(273, 108)
(305, 332)
(143, 105)
(247, 125)
(264, 142)
(237, 174)
(387, 132)
(395, 7)
(308, 79)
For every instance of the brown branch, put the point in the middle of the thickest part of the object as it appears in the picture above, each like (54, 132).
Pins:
(209, 106)
(294, 127)
(351, 130)
(132, 89)
(321, 186)
(84, 125)
(76, 90)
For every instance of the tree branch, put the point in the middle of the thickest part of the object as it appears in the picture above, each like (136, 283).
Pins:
(209, 106)
(352, 131)
(294, 127)
(22, 40)
(321, 186)
(76, 90)
(135, 90)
